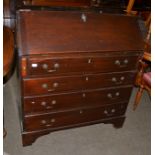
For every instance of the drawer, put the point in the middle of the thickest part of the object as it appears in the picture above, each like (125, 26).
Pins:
(62, 119)
(87, 64)
(62, 102)
(50, 3)
(39, 86)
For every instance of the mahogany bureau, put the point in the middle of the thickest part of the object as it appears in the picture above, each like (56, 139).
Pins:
(75, 69)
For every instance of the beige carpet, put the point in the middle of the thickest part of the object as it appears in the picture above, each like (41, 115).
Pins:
(133, 139)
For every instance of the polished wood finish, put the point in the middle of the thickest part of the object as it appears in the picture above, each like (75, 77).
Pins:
(83, 99)
(77, 41)
(9, 13)
(49, 3)
(67, 83)
(60, 119)
(8, 51)
(77, 63)
(77, 72)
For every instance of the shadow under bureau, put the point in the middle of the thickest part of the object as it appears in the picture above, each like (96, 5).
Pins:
(75, 69)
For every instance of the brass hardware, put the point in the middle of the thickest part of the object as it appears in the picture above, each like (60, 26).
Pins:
(47, 125)
(45, 66)
(83, 17)
(56, 65)
(117, 62)
(55, 85)
(81, 111)
(52, 120)
(87, 78)
(109, 95)
(113, 110)
(117, 94)
(54, 102)
(32, 102)
(105, 112)
(83, 95)
(51, 70)
(89, 61)
(126, 61)
(45, 85)
(43, 122)
(48, 107)
(27, 2)
(100, 11)
(114, 79)
(43, 103)
(122, 78)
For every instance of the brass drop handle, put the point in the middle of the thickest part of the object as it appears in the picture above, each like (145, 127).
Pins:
(105, 112)
(45, 67)
(87, 79)
(114, 79)
(45, 86)
(117, 94)
(27, 2)
(83, 95)
(117, 62)
(83, 17)
(54, 102)
(33, 102)
(89, 61)
(123, 64)
(81, 111)
(113, 110)
(43, 122)
(110, 96)
(56, 65)
(122, 78)
(52, 120)
(43, 103)
(55, 84)
(109, 113)
(126, 61)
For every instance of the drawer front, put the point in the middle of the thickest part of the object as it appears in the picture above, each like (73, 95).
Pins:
(38, 86)
(76, 100)
(73, 3)
(73, 117)
(89, 64)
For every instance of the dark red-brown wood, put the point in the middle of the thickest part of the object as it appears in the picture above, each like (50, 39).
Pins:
(38, 86)
(8, 51)
(75, 64)
(75, 71)
(54, 120)
(53, 3)
(9, 13)
(100, 32)
(66, 101)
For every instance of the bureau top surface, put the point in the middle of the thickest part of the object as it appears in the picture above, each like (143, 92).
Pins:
(45, 32)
